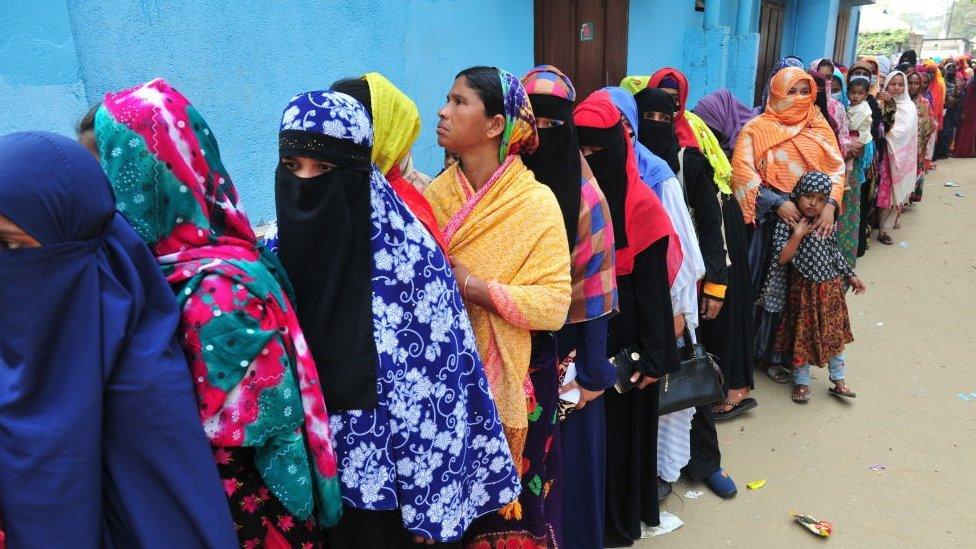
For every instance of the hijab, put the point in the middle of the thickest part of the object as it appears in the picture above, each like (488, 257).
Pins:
(238, 322)
(792, 120)
(323, 240)
(902, 140)
(520, 135)
(396, 126)
(96, 399)
(840, 95)
(639, 219)
(937, 88)
(671, 78)
(659, 136)
(821, 98)
(725, 114)
(909, 57)
(555, 161)
(653, 170)
(788, 61)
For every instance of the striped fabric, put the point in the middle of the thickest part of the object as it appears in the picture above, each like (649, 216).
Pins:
(673, 443)
(593, 266)
(790, 138)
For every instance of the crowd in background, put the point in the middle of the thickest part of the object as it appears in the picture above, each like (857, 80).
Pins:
(479, 359)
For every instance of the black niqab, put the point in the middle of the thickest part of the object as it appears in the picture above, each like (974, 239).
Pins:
(656, 135)
(324, 245)
(556, 161)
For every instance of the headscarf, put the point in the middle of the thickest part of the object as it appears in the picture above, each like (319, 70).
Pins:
(804, 140)
(433, 404)
(902, 139)
(725, 114)
(884, 65)
(840, 95)
(584, 207)
(520, 135)
(690, 129)
(653, 170)
(396, 126)
(871, 64)
(639, 218)
(937, 88)
(239, 330)
(788, 61)
(96, 405)
(659, 136)
(910, 57)
(667, 77)
(553, 162)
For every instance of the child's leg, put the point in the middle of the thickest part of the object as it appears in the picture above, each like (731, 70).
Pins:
(836, 367)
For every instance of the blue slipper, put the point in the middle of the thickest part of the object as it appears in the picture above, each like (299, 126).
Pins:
(722, 485)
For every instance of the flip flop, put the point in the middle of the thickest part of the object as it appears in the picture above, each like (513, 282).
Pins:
(738, 408)
(801, 394)
(778, 374)
(846, 392)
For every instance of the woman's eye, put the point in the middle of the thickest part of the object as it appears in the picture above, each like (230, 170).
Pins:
(326, 168)
(10, 245)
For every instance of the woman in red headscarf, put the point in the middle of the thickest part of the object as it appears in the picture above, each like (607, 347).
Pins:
(648, 254)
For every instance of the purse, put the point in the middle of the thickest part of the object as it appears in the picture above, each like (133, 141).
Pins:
(697, 382)
(626, 362)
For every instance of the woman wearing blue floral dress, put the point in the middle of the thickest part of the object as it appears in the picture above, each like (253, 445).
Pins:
(420, 447)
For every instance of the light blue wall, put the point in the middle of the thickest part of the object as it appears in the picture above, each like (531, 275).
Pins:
(809, 28)
(40, 79)
(671, 33)
(240, 63)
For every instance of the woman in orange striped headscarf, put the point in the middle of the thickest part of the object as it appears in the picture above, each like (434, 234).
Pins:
(790, 138)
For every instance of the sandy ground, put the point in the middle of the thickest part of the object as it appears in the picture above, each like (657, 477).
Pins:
(912, 358)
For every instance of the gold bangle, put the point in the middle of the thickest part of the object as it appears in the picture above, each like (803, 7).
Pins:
(464, 287)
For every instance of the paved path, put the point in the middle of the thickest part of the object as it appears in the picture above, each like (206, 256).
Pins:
(915, 352)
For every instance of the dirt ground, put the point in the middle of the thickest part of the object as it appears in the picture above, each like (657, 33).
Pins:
(913, 364)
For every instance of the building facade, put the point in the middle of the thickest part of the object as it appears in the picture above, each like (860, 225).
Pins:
(241, 62)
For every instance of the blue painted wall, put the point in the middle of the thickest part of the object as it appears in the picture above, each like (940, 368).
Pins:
(40, 78)
(671, 33)
(240, 63)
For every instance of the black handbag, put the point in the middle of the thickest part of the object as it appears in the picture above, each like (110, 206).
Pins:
(697, 382)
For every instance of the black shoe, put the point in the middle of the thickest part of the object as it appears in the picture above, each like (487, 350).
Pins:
(663, 489)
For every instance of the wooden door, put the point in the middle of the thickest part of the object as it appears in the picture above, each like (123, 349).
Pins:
(840, 41)
(586, 39)
(771, 16)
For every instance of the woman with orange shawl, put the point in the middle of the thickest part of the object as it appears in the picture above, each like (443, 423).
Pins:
(790, 138)
(508, 245)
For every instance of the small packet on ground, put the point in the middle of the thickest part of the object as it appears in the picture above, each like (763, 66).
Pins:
(820, 528)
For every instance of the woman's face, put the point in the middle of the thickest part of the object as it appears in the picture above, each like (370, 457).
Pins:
(464, 124)
(860, 71)
(801, 89)
(305, 167)
(587, 150)
(927, 79)
(897, 86)
(914, 85)
(655, 116)
(837, 86)
(13, 237)
(826, 70)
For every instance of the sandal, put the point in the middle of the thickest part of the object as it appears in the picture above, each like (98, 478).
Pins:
(841, 389)
(801, 394)
(778, 374)
(885, 239)
(737, 408)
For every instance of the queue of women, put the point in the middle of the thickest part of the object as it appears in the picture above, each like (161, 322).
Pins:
(412, 361)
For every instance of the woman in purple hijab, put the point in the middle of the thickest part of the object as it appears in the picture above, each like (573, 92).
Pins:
(725, 115)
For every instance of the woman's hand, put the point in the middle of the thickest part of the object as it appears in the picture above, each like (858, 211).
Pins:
(788, 212)
(710, 308)
(883, 96)
(859, 287)
(642, 381)
(586, 395)
(824, 226)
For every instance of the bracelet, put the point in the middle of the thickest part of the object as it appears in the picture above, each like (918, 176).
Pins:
(464, 287)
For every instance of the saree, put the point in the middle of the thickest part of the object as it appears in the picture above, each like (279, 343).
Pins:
(255, 379)
(790, 138)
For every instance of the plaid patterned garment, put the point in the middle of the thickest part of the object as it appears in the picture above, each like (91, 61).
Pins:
(593, 273)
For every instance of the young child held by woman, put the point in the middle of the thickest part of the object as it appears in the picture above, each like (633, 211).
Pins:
(806, 281)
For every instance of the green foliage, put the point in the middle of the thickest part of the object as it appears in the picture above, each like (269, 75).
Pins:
(883, 42)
